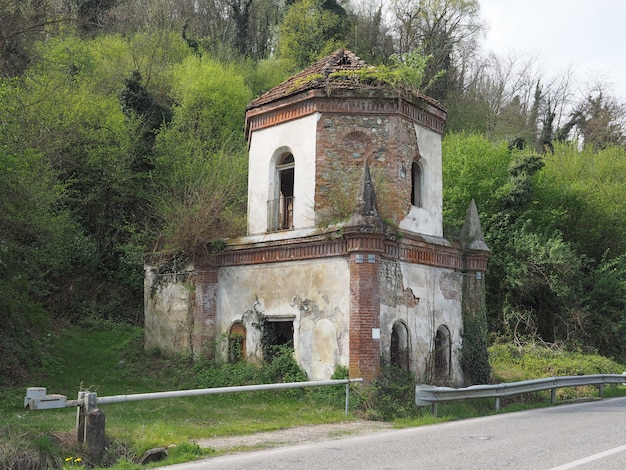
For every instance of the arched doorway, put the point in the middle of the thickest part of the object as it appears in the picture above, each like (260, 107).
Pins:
(400, 345)
(281, 210)
(443, 353)
(237, 342)
(416, 184)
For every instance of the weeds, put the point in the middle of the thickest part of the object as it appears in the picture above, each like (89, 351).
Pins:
(25, 451)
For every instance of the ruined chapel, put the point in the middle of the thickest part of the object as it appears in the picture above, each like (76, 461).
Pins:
(378, 283)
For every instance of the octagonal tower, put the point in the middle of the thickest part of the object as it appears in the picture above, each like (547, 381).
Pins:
(310, 136)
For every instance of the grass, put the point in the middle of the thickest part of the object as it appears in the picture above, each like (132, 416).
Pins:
(109, 359)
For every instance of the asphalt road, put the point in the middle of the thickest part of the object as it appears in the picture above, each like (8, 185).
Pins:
(589, 435)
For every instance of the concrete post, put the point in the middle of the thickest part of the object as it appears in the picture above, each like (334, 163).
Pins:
(94, 433)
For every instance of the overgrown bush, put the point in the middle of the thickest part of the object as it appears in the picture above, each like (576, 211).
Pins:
(474, 355)
(534, 360)
(283, 366)
(512, 362)
(391, 396)
(211, 375)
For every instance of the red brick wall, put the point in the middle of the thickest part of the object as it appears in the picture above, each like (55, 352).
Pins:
(364, 307)
(204, 311)
(389, 144)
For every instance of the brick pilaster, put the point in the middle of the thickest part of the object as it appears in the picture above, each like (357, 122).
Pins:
(204, 312)
(364, 328)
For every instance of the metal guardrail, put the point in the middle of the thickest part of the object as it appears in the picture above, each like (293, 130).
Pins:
(37, 399)
(430, 395)
(90, 421)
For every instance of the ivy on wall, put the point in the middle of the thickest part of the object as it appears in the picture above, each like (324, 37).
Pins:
(474, 353)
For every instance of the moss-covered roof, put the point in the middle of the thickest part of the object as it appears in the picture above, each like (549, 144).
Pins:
(329, 70)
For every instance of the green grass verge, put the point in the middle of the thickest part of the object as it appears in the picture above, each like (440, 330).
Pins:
(110, 360)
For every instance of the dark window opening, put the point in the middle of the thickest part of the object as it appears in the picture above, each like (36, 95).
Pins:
(280, 209)
(443, 353)
(277, 333)
(416, 184)
(400, 346)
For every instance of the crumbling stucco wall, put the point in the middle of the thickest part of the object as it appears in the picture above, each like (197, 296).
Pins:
(428, 219)
(168, 299)
(423, 298)
(314, 294)
(266, 146)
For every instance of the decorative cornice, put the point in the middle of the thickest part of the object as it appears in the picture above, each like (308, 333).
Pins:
(475, 260)
(425, 253)
(318, 247)
(353, 102)
(281, 251)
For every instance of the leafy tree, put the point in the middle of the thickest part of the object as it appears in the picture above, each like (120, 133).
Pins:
(371, 36)
(517, 195)
(210, 106)
(534, 281)
(138, 102)
(606, 305)
(309, 31)
(587, 188)
(240, 11)
(202, 157)
(265, 74)
(535, 275)
(38, 246)
(468, 111)
(22, 24)
(555, 228)
(440, 29)
(598, 120)
(473, 168)
(71, 115)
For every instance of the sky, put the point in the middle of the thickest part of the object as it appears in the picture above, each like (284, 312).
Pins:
(586, 36)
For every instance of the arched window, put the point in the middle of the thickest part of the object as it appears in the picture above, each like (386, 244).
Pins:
(416, 184)
(237, 342)
(400, 345)
(280, 209)
(443, 353)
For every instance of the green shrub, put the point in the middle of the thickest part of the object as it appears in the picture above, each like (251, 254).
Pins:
(512, 362)
(391, 396)
(474, 354)
(212, 375)
(283, 367)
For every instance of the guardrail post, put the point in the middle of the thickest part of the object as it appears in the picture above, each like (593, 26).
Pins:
(601, 390)
(90, 424)
(433, 409)
(87, 401)
(553, 396)
(80, 418)
(497, 403)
